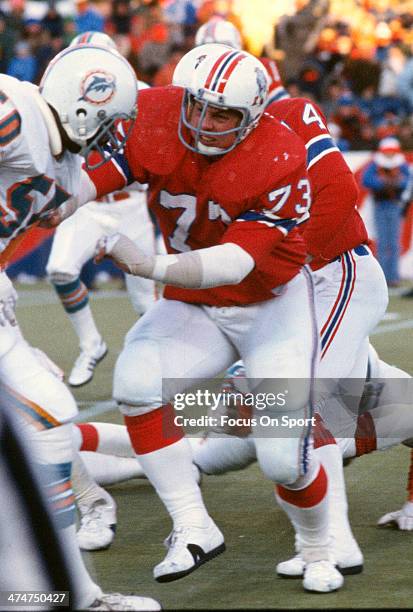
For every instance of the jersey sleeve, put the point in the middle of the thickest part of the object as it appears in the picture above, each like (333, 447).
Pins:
(334, 189)
(10, 126)
(273, 215)
(116, 173)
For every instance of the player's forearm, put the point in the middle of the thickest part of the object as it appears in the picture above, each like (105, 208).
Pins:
(225, 264)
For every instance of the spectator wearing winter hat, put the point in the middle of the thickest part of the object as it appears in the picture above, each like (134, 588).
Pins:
(386, 177)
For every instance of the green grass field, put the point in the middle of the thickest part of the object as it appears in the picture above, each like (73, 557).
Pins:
(258, 534)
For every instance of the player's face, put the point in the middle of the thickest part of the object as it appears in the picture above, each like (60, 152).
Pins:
(215, 120)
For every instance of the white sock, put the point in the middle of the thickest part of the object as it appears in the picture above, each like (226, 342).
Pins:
(170, 471)
(110, 439)
(85, 488)
(85, 328)
(339, 525)
(86, 589)
(108, 469)
(306, 505)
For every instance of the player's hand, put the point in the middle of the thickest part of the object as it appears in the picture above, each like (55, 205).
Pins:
(124, 253)
(104, 247)
(53, 218)
(401, 519)
(8, 299)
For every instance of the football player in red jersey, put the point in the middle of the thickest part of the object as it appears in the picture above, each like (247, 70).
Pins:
(350, 290)
(235, 286)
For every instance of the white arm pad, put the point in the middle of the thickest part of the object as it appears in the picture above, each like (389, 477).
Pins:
(87, 190)
(224, 264)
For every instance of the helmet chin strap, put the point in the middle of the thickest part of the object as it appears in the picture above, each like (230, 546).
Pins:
(205, 150)
(56, 144)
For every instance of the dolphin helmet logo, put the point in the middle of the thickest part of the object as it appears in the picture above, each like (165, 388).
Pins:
(97, 87)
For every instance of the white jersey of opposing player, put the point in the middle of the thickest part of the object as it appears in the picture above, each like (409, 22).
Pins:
(32, 180)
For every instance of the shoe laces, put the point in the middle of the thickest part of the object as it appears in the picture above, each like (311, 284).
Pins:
(177, 539)
(92, 517)
(84, 359)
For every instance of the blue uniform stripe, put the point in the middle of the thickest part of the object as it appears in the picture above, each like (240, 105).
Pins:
(250, 215)
(122, 162)
(221, 70)
(348, 281)
(324, 145)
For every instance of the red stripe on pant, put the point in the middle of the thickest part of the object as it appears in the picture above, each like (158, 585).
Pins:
(365, 435)
(90, 437)
(154, 430)
(308, 497)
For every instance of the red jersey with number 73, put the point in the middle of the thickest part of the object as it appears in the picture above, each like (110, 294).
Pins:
(254, 196)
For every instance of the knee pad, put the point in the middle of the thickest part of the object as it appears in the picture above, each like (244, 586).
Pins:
(279, 459)
(138, 377)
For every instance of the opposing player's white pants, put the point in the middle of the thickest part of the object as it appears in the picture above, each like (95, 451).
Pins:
(185, 342)
(22, 372)
(76, 238)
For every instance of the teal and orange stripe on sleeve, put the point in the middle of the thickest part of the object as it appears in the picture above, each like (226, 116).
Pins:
(10, 127)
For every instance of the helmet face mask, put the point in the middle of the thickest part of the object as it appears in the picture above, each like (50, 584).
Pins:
(217, 76)
(108, 140)
(91, 88)
(196, 132)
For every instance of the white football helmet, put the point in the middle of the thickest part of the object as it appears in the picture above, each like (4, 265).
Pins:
(93, 38)
(92, 88)
(218, 30)
(219, 76)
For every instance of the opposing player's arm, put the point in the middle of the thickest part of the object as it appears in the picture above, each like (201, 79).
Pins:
(10, 127)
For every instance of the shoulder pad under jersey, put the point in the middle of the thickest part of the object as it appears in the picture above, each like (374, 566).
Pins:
(268, 155)
(154, 143)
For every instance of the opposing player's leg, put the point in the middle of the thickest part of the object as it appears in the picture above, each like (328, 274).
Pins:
(45, 407)
(107, 452)
(402, 519)
(173, 341)
(97, 509)
(73, 245)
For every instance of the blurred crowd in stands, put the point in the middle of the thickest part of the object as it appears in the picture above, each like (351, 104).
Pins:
(354, 57)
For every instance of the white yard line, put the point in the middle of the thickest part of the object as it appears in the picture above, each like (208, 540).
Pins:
(47, 296)
(392, 327)
(86, 414)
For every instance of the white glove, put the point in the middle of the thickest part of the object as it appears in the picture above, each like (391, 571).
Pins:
(8, 299)
(402, 519)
